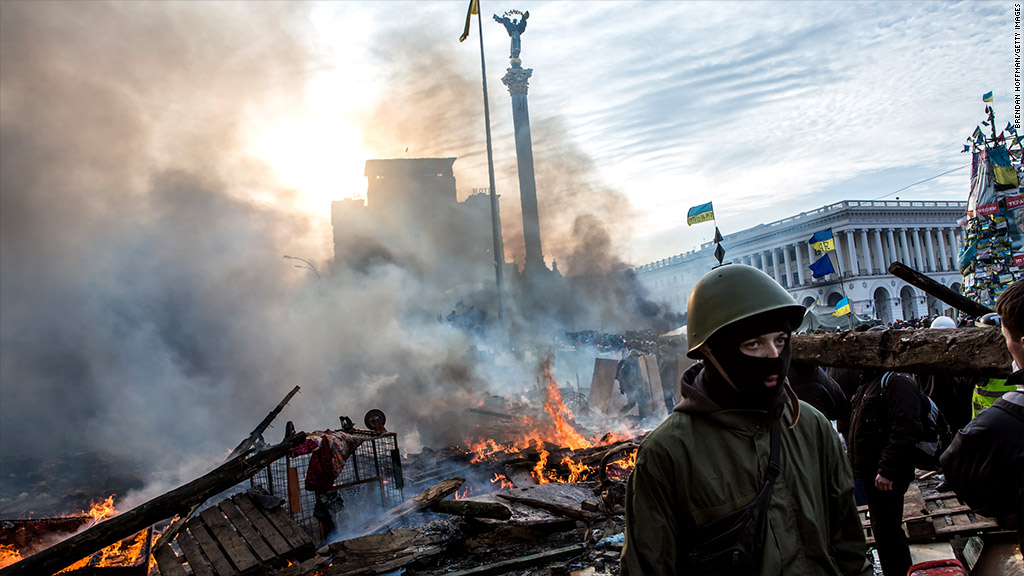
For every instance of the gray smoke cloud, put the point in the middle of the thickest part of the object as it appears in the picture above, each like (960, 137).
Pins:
(145, 309)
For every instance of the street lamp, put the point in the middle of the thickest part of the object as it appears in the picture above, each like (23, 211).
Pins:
(308, 265)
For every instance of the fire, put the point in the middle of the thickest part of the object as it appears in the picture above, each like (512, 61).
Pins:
(127, 552)
(538, 470)
(8, 555)
(101, 509)
(577, 472)
(502, 481)
(566, 435)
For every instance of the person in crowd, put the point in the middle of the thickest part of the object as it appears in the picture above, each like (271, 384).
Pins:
(951, 394)
(711, 459)
(988, 390)
(984, 464)
(814, 386)
(885, 427)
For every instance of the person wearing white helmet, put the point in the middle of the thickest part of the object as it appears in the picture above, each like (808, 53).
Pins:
(742, 478)
(943, 322)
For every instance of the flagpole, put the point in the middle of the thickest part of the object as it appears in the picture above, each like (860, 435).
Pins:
(499, 250)
(839, 266)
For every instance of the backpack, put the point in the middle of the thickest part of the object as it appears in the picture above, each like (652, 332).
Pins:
(936, 436)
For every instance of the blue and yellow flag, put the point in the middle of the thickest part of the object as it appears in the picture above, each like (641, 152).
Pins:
(822, 240)
(977, 133)
(699, 214)
(474, 8)
(987, 97)
(822, 267)
(842, 307)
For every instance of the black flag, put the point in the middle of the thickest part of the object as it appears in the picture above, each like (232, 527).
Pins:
(718, 235)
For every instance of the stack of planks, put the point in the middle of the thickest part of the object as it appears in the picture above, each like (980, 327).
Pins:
(235, 537)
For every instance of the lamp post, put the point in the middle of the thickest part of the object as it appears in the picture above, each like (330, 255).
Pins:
(308, 265)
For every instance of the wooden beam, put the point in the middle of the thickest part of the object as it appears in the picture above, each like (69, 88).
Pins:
(522, 561)
(970, 351)
(115, 529)
(424, 499)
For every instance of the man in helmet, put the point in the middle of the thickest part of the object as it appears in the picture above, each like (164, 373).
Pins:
(985, 463)
(713, 456)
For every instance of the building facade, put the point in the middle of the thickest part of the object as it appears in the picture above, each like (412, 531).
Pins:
(869, 236)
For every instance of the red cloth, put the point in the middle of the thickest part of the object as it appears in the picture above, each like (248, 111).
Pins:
(330, 449)
(950, 567)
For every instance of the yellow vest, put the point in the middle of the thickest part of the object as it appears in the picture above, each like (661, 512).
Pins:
(986, 395)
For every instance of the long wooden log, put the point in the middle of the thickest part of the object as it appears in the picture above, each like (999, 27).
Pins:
(424, 499)
(970, 351)
(115, 529)
(473, 509)
(954, 299)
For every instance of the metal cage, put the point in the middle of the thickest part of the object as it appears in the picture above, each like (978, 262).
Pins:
(371, 481)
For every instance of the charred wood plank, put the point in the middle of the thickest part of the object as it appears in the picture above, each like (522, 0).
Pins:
(958, 301)
(473, 509)
(112, 530)
(521, 562)
(232, 543)
(193, 555)
(969, 351)
(288, 528)
(262, 524)
(424, 499)
(247, 531)
(558, 509)
(168, 561)
(210, 549)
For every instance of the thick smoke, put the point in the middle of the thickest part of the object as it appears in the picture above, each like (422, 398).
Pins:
(145, 308)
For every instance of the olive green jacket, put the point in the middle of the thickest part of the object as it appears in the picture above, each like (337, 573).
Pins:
(703, 462)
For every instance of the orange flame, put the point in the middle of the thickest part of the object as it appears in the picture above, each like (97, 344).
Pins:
(502, 481)
(538, 470)
(8, 555)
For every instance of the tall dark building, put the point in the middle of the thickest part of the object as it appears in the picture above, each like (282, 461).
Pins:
(412, 218)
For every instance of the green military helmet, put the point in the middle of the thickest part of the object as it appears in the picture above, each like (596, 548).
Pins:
(729, 293)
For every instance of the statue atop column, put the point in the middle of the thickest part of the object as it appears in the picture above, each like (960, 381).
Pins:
(515, 28)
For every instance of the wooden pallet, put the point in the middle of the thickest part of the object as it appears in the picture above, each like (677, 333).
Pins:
(934, 517)
(235, 537)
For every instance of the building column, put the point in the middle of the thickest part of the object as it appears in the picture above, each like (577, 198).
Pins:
(931, 250)
(775, 265)
(799, 264)
(917, 250)
(943, 259)
(906, 249)
(812, 256)
(953, 247)
(865, 247)
(788, 266)
(851, 249)
(882, 265)
(893, 256)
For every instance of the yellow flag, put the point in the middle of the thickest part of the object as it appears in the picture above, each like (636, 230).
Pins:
(474, 8)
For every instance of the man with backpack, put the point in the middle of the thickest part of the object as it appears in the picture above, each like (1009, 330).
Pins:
(885, 429)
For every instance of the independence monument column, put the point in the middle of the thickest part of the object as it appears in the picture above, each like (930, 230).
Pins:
(516, 78)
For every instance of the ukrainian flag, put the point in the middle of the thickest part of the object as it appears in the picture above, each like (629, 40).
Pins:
(822, 240)
(699, 214)
(474, 8)
(977, 133)
(842, 307)
(987, 97)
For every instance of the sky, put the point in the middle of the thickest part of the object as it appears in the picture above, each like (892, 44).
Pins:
(158, 159)
(765, 108)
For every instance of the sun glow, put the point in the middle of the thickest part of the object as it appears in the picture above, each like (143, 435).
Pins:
(320, 157)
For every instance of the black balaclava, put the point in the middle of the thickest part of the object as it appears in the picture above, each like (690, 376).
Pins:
(748, 373)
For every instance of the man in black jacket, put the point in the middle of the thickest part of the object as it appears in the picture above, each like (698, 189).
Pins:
(985, 463)
(885, 427)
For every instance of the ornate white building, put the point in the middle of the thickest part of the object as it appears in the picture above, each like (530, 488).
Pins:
(869, 235)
